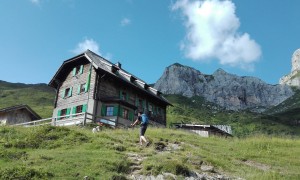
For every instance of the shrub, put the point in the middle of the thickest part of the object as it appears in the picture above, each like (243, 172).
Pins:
(24, 173)
(11, 155)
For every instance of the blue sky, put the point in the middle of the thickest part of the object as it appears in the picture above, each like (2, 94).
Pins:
(247, 38)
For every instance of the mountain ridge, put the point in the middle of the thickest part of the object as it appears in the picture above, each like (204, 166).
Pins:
(225, 89)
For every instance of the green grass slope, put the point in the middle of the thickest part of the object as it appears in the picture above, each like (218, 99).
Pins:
(197, 110)
(39, 97)
(288, 112)
(74, 153)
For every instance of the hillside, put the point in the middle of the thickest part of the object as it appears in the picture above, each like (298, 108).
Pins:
(244, 123)
(39, 97)
(188, 110)
(291, 103)
(76, 153)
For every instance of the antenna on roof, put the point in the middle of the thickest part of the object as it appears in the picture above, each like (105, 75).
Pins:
(119, 65)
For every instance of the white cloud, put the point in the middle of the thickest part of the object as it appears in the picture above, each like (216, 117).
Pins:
(91, 45)
(87, 44)
(125, 22)
(212, 32)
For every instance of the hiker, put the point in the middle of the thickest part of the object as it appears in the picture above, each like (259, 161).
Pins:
(143, 120)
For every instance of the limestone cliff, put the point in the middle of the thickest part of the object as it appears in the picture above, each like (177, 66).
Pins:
(293, 79)
(228, 90)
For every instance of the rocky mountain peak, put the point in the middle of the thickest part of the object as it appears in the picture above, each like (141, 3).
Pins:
(220, 71)
(228, 90)
(293, 79)
(176, 65)
(296, 60)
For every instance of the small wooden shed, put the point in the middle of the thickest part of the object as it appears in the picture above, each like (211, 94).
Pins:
(206, 130)
(17, 114)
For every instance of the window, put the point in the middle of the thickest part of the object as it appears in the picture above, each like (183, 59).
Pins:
(131, 99)
(123, 95)
(158, 110)
(77, 70)
(67, 92)
(63, 112)
(81, 88)
(150, 108)
(141, 104)
(125, 114)
(109, 111)
(79, 109)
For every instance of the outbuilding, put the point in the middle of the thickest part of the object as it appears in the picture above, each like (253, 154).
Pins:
(206, 130)
(17, 114)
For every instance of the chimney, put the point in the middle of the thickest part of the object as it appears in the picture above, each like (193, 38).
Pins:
(119, 65)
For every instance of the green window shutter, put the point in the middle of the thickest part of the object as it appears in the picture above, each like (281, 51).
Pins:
(87, 85)
(58, 114)
(63, 93)
(84, 108)
(68, 112)
(127, 97)
(78, 89)
(121, 112)
(131, 115)
(81, 69)
(74, 110)
(70, 92)
(103, 110)
(115, 110)
(121, 94)
(137, 102)
(74, 71)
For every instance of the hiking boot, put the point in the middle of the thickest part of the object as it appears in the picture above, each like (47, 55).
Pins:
(148, 143)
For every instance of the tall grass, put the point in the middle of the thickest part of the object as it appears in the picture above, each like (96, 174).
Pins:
(73, 153)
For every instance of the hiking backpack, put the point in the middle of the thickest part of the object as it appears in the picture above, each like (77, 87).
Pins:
(144, 119)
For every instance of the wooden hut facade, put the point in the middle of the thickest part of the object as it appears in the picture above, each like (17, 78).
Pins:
(89, 83)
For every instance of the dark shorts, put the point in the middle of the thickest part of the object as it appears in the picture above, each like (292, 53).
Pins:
(143, 129)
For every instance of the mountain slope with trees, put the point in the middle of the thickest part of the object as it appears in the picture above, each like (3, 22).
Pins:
(196, 110)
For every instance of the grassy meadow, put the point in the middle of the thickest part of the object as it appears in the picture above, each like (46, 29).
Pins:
(75, 152)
